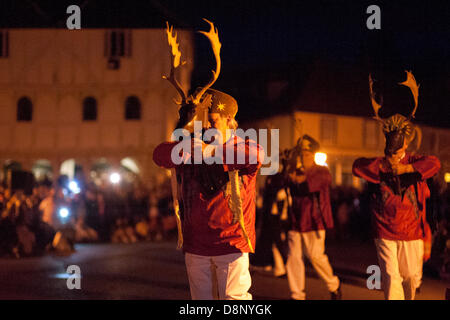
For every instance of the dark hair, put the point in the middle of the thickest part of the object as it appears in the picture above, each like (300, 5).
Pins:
(394, 142)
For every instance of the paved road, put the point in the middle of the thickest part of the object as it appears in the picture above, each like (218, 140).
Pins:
(154, 271)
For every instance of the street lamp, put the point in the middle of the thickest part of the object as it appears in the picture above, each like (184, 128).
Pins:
(114, 178)
(447, 177)
(320, 158)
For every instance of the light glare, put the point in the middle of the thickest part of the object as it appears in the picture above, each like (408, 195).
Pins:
(114, 178)
(320, 158)
(63, 212)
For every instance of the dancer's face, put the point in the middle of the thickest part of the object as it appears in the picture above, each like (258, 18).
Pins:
(221, 123)
(399, 154)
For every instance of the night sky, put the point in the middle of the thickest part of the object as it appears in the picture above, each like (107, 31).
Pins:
(317, 53)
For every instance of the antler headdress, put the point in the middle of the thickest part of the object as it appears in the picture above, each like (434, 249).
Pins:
(397, 123)
(201, 102)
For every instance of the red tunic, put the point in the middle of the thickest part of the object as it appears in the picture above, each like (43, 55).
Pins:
(207, 220)
(399, 216)
(311, 208)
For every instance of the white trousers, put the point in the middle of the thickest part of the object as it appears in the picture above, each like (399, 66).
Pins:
(401, 267)
(224, 277)
(311, 244)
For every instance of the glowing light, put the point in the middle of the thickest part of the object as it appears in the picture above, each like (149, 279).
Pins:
(114, 177)
(63, 212)
(320, 158)
(220, 106)
(447, 177)
(73, 186)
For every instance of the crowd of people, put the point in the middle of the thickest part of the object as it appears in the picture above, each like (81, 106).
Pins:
(53, 217)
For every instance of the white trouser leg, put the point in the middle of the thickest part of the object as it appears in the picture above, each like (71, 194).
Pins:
(219, 277)
(295, 266)
(391, 280)
(419, 274)
(314, 243)
(200, 271)
(410, 258)
(233, 276)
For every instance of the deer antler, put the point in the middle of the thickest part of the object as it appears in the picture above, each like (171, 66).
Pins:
(175, 63)
(411, 83)
(213, 37)
(376, 107)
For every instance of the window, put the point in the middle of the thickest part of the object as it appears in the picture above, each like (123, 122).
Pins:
(4, 44)
(117, 43)
(89, 109)
(132, 108)
(24, 109)
(328, 130)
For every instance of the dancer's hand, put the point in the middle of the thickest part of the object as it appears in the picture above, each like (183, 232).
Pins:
(400, 168)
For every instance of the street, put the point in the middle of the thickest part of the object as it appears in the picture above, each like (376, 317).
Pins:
(156, 271)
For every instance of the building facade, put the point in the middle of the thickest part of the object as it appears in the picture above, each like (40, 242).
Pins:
(87, 98)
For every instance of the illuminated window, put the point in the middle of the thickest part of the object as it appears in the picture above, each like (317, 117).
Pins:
(132, 108)
(24, 109)
(89, 109)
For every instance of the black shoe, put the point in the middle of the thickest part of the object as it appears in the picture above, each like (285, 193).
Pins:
(337, 295)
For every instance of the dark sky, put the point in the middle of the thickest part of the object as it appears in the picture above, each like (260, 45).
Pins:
(290, 42)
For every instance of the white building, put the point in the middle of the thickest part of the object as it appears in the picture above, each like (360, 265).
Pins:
(93, 95)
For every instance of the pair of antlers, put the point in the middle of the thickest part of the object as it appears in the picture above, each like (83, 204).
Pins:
(410, 82)
(176, 62)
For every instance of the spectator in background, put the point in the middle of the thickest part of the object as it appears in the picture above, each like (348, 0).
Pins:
(48, 208)
(92, 218)
(271, 246)
(103, 228)
(155, 228)
(8, 233)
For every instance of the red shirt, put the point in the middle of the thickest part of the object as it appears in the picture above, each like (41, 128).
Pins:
(398, 216)
(311, 208)
(207, 220)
